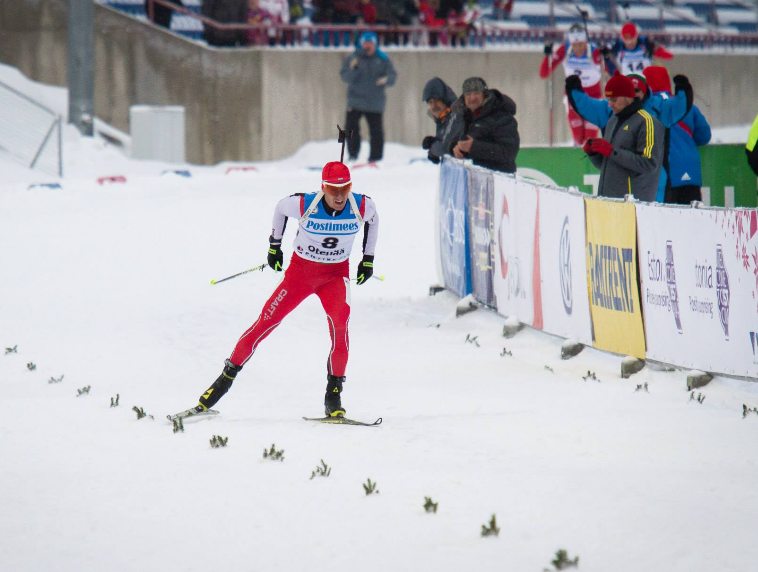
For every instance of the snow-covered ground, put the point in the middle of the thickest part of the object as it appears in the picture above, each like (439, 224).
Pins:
(108, 286)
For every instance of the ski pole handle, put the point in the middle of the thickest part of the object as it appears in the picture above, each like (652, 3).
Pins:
(261, 267)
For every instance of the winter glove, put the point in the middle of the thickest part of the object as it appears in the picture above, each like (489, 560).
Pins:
(587, 147)
(365, 269)
(433, 158)
(548, 49)
(682, 83)
(601, 146)
(275, 255)
(427, 142)
(605, 51)
(573, 82)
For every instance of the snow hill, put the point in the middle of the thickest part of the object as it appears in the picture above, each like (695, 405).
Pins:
(108, 287)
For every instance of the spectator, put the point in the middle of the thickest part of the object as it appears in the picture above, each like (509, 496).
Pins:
(346, 11)
(751, 149)
(585, 60)
(633, 53)
(367, 72)
(503, 9)
(225, 12)
(668, 111)
(367, 14)
(279, 11)
(257, 17)
(684, 173)
(161, 14)
(489, 135)
(427, 16)
(440, 97)
(631, 154)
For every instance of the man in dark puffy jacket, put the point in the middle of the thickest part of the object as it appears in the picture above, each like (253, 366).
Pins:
(490, 131)
(367, 72)
(225, 12)
(439, 97)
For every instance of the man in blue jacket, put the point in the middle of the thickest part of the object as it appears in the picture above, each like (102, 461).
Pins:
(668, 111)
(693, 131)
(367, 72)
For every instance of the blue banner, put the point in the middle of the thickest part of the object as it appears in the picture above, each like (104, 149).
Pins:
(481, 221)
(453, 235)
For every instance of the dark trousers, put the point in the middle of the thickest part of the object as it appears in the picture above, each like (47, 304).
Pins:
(684, 194)
(375, 129)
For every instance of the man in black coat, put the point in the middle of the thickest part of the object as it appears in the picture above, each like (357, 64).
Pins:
(490, 131)
(439, 97)
(225, 12)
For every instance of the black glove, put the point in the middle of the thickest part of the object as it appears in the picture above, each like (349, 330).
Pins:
(605, 51)
(548, 49)
(427, 142)
(433, 158)
(365, 269)
(573, 82)
(682, 83)
(275, 255)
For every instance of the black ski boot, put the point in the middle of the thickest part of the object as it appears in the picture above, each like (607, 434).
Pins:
(219, 387)
(332, 402)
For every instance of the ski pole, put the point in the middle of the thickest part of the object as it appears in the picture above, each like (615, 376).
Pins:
(261, 267)
(380, 277)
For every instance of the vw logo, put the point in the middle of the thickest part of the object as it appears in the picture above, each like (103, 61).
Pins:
(564, 267)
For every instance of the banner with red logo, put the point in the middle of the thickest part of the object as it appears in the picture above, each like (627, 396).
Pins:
(517, 280)
(699, 281)
(563, 265)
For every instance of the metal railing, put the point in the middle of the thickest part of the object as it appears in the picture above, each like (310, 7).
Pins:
(30, 133)
(480, 34)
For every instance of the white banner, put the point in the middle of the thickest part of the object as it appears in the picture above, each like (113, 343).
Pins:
(517, 280)
(563, 265)
(699, 272)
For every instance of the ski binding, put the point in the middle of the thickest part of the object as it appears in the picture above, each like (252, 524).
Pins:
(343, 421)
(195, 412)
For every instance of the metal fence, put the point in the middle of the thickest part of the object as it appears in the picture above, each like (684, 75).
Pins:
(30, 133)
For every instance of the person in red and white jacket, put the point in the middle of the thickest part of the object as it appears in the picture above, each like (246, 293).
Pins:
(328, 223)
(579, 57)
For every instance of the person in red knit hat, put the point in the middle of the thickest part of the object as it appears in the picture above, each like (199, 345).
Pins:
(583, 59)
(631, 154)
(633, 53)
(328, 222)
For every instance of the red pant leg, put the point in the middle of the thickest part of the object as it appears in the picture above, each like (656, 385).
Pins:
(295, 287)
(580, 129)
(335, 298)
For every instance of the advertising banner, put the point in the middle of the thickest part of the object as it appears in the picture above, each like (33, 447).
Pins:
(727, 178)
(481, 222)
(563, 265)
(452, 233)
(612, 277)
(698, 273)
(517, 282)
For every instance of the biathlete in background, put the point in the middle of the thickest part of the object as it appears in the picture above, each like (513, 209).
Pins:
(581, 58)
(634, 53)
(328, 224)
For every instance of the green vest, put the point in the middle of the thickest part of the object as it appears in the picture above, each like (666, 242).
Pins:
(753, 137)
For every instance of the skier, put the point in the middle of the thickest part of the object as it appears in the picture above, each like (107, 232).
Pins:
(581, 58)
(328, 224)
(634, 53)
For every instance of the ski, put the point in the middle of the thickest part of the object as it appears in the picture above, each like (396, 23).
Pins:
(195, 412)
(343, 421)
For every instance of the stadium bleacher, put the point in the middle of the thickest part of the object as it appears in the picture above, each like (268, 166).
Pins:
(675, 16)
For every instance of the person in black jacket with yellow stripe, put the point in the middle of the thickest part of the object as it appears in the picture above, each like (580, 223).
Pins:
(631, 153)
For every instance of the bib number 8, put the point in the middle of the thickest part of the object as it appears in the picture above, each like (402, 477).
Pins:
(330, 242)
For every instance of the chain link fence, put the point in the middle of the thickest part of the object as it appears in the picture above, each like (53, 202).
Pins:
(30, 133)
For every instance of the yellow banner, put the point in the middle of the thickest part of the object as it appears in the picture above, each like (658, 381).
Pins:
(612, 277)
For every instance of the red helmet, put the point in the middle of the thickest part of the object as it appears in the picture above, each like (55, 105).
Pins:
(335, 174)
